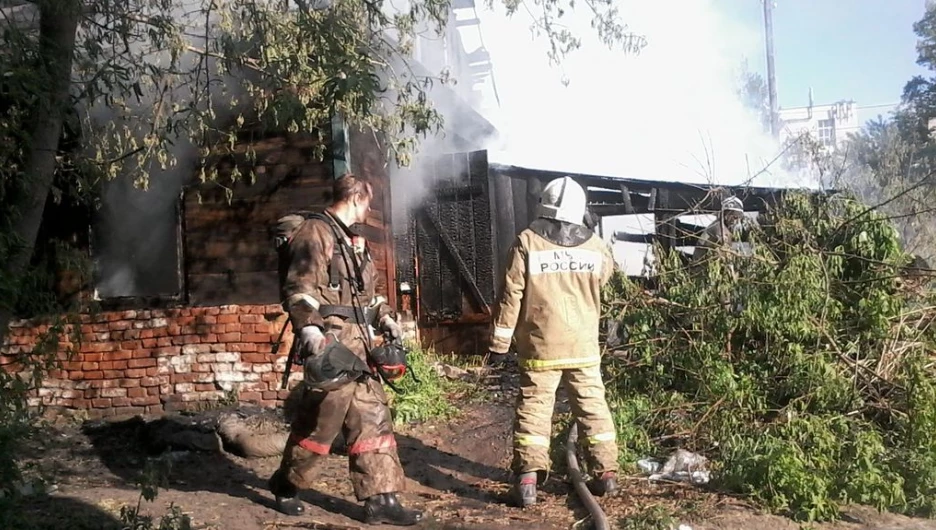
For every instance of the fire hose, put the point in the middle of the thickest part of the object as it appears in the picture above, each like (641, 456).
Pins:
(575, 473)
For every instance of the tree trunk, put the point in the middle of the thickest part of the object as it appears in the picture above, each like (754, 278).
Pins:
(58, 25)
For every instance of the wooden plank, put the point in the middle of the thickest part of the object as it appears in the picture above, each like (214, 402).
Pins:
(520, 205)
(626, 198)
(502, 222)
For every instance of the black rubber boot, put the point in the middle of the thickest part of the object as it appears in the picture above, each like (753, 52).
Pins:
(605, 485)
(525, 489)
(287, 500)
(385, 508)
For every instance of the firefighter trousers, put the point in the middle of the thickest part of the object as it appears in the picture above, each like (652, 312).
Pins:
(533, 423)
(358, 410)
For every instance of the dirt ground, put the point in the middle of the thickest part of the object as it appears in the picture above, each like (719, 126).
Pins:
(456, 472)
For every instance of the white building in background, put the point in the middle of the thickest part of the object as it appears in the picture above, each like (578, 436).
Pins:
(829, 124)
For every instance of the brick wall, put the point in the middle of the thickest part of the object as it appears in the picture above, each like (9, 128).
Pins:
(147, 362)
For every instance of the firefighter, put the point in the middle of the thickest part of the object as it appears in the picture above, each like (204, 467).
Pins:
(329, 292)
(550, 301)
(719, 234)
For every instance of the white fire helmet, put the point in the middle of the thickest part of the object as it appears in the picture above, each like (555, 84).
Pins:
(563, 200)
(732, 204)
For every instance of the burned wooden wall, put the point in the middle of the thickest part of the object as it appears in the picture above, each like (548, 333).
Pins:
(454, 247)
(229, 256)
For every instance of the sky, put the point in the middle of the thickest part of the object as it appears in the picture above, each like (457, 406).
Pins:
(671, 113)
(831, 45)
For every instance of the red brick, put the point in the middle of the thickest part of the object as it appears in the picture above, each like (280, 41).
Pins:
(181, 378)
(236, 327)
(130, 345)
(114, 315)
(72, 365)
(100, 403)
(141, 363)
(132, 334)
(250, 396)
(201, 367)
(76, 375)
(129, 383)
(174, 329)
(129, 315)
(142, 354)
(147, 400)
(213, 311)
(136, 392)
(97, 374)
(120, 355)
(185, 320)
(120, 402)
(251, 319)
(90, 366)
(147, 334)
(135, 372)
(228, 319)
(120, 325)
(254, 358)
(148, 343)
(92, 357)
(86, 329)
(258, 338)
(152, 371)
(163, 342)
(151, 391)
(113, 374)
(149, 381)
(230, 337)
(81, 403)
(269, 394)
(208, 338)
(204, 387)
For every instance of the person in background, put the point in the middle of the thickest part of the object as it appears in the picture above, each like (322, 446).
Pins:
(719, 234)
(550, 302)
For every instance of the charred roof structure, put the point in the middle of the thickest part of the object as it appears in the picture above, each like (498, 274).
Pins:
(449, 260)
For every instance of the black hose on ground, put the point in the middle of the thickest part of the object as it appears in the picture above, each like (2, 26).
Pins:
(575, 473)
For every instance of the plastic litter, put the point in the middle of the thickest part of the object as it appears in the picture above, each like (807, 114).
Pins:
(682, 466)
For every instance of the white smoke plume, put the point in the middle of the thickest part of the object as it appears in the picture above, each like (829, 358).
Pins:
(671, 113)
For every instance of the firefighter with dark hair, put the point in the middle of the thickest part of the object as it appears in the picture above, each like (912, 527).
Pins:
(550, 303)
(328, 286)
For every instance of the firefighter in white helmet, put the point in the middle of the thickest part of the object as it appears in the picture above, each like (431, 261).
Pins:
(719, 233)
(550, 302)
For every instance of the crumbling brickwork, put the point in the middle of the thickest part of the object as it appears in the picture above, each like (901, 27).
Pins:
(147, 362)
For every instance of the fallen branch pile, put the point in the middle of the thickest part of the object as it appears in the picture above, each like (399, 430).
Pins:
(803, 372)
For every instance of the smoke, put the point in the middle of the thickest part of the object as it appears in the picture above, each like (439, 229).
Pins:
(671, 113)
(137, 233)
(465, 128)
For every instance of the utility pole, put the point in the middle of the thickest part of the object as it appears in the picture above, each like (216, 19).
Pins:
(771, 75)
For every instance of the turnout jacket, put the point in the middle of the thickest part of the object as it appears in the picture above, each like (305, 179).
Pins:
(327, 264)
(550, 300)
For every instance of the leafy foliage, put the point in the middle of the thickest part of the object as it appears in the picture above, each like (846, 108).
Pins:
(427, 399)
(17, 415)
(805, 374)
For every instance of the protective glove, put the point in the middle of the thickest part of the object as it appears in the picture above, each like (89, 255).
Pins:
(311, 341)
(391, 327)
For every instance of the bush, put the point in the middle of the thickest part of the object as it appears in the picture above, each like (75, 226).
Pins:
(802, 371)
